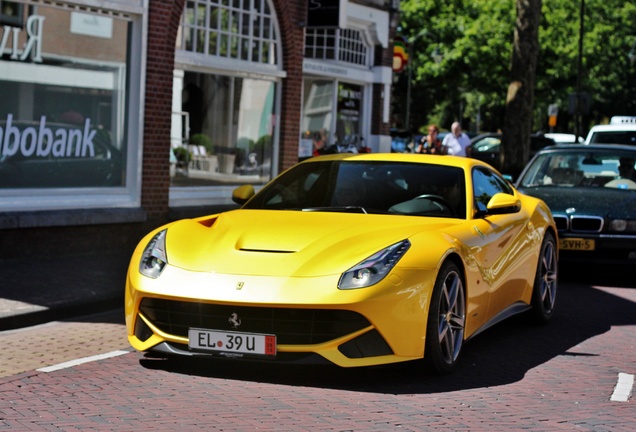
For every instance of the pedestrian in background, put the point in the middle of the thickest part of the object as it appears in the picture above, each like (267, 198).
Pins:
(430, 143)
(457, 142)
(320, 142)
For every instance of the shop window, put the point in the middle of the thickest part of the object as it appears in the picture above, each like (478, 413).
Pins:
(320, 128)
(223, 131)
(228, 130)
(63, 124)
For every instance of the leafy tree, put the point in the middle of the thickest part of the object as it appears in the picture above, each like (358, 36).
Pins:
(475, 39)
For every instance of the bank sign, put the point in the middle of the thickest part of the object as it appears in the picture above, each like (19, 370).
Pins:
(40, 140)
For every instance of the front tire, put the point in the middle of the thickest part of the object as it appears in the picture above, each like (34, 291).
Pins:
(546, 281)
(446, 320)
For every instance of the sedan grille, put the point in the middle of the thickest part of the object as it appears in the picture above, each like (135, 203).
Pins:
(585, 224)
(561, 222)
(291, 326)
(580, 224)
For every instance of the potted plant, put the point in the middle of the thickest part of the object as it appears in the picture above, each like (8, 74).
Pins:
(202, 140)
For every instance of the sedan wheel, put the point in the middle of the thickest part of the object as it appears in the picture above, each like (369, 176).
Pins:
(446, 320)
(546, 281)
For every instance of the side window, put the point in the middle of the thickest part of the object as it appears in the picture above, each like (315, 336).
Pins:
(486, 184)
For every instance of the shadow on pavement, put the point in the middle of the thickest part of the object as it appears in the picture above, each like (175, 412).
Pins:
(499, 356)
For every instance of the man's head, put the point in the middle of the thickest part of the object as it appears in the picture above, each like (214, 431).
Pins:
(456, 129)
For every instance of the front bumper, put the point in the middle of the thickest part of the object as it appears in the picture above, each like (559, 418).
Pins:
(385, 323)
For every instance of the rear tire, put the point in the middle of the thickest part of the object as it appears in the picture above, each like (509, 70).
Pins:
(446, 320)
(546, 281)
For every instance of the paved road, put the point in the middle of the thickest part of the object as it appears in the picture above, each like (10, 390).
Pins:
(514, 376)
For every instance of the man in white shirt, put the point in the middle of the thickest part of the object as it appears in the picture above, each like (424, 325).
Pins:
(457, 142)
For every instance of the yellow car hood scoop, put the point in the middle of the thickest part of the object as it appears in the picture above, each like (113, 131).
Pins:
(290, 243)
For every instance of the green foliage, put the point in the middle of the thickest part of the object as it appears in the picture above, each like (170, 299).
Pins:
(475, 39)
(183, 155)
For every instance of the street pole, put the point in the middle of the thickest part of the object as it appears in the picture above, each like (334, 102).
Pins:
(408, 89)
(411, 41)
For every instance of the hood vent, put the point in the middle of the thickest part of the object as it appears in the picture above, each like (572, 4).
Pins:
(266, 250)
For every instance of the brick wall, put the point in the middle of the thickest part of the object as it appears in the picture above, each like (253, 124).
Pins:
(291, 15)
(163, 23)
(383, 57)
(164, 18)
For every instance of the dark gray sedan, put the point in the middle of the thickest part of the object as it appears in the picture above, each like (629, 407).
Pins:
(591, 191)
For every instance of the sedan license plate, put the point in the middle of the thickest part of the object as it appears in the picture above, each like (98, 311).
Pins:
(232, 344)
(578, 244)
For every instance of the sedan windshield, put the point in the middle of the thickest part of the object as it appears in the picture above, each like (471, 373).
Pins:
(584, 168)
(367, 187)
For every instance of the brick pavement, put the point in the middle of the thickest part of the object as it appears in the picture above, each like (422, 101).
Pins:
(129, 393)
(58, 342)
(515, 376)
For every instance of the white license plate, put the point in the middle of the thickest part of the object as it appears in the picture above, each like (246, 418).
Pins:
(232, 343)
(577, 244)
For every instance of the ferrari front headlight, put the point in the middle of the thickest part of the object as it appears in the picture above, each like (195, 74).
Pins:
(154, 258)
(373, 269)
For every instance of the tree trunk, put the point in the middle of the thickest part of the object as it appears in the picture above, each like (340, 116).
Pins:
(517, 129)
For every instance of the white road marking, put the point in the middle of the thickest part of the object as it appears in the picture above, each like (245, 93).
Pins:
(80, 361)
(623, 388)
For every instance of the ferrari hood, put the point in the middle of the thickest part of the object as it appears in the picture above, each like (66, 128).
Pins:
(606, 202)
(292, 243)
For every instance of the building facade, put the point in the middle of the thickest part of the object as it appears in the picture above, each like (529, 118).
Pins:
(118, 116)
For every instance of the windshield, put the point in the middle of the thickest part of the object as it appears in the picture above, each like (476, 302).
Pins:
(584, 168)
(367, 187)
(613, 137)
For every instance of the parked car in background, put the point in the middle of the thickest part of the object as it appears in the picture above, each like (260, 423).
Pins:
(354, 260)
(591, 191)
(401, 141)
(620, 130)
(486, 147)
(564, 138)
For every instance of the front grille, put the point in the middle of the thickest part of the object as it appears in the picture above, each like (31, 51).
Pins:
(561, 222)
(586, 224)
(291, 326)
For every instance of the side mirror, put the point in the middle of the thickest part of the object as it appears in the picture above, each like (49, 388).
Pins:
(242, 194)
(502, 203)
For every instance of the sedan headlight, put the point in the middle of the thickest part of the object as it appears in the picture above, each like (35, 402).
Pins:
(618, 225)
(623, 226)
(154, 258)
(373, 269)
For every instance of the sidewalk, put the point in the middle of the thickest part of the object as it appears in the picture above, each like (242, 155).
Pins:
(36, 290)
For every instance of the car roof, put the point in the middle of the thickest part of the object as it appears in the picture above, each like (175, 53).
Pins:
(613, 127)
(588, 147)
(448, 160)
